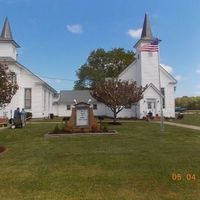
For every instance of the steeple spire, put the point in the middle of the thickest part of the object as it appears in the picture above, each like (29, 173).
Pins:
(6, 34)
(6, 31)
(146, 31)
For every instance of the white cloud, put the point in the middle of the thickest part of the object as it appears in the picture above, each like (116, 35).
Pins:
(178, 77)
(167, 68)
(75, 28)
(135, 33)
(57, 81)
(170, 70)
(198, 71)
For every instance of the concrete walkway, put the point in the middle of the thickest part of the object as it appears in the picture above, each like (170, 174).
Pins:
(182, 125)
(167, 123)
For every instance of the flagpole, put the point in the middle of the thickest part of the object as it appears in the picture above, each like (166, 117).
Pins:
(161, 99)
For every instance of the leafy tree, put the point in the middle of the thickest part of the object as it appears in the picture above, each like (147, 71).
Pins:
(101, 64)
(8, 85)
(191, 103)
(117, 94)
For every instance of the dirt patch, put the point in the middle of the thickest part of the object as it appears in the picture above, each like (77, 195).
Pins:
(2, 149)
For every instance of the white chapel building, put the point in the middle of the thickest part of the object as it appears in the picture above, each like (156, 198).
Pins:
(146, 70)
(34, 95)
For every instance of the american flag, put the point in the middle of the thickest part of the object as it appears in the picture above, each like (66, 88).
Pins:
(152, 47)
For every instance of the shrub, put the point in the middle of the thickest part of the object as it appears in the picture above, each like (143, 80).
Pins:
(28, 116)
(65, 118)
(62, 126)
(105, 128)
(56, 129)
(94, 127)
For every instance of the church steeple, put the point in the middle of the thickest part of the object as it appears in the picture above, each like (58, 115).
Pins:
(6, 31)
(8, 46)
(6, 34)
(147, 54)
(146, 35)
(146, 31)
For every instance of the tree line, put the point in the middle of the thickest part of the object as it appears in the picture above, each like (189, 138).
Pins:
(191, 103)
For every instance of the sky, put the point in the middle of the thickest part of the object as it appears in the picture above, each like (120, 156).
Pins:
(56, 37)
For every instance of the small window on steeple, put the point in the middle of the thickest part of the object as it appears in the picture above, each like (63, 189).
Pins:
(138, 56)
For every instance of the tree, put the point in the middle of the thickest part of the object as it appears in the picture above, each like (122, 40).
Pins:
(191, 103)
(101, 64)
(117, 94)
(8, 85)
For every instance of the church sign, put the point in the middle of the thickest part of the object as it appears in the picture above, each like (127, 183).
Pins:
(82, 117)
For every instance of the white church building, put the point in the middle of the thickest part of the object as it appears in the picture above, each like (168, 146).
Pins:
(146, 70)
(39, 98)
(34, 95)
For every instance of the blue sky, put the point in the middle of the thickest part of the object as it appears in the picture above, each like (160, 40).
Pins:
(56, 37)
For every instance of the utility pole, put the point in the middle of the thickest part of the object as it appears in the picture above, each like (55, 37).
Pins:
(161, 99)
(161, 114)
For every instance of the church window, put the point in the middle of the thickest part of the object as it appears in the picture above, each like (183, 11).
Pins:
(94, 106)
(68, 107)
(27, 98)
(163, 93)
(49, 101)
(13, 78)
(138, 56)
(149, 105)
(45, 100)
(175, 89)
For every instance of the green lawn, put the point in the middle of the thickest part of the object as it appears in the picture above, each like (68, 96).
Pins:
(191, 119)
(135, 164)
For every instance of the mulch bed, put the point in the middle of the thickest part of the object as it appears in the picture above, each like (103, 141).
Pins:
(115, 123)
(111, 132)
(2, 149)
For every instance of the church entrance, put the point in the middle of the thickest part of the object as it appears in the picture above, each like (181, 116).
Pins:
(151, 106)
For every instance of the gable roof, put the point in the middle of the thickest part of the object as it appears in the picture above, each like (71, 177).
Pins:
(174, 81)
(151, 85)
(12, 61)
(43, 82)
(128, 67)
(68, 96)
